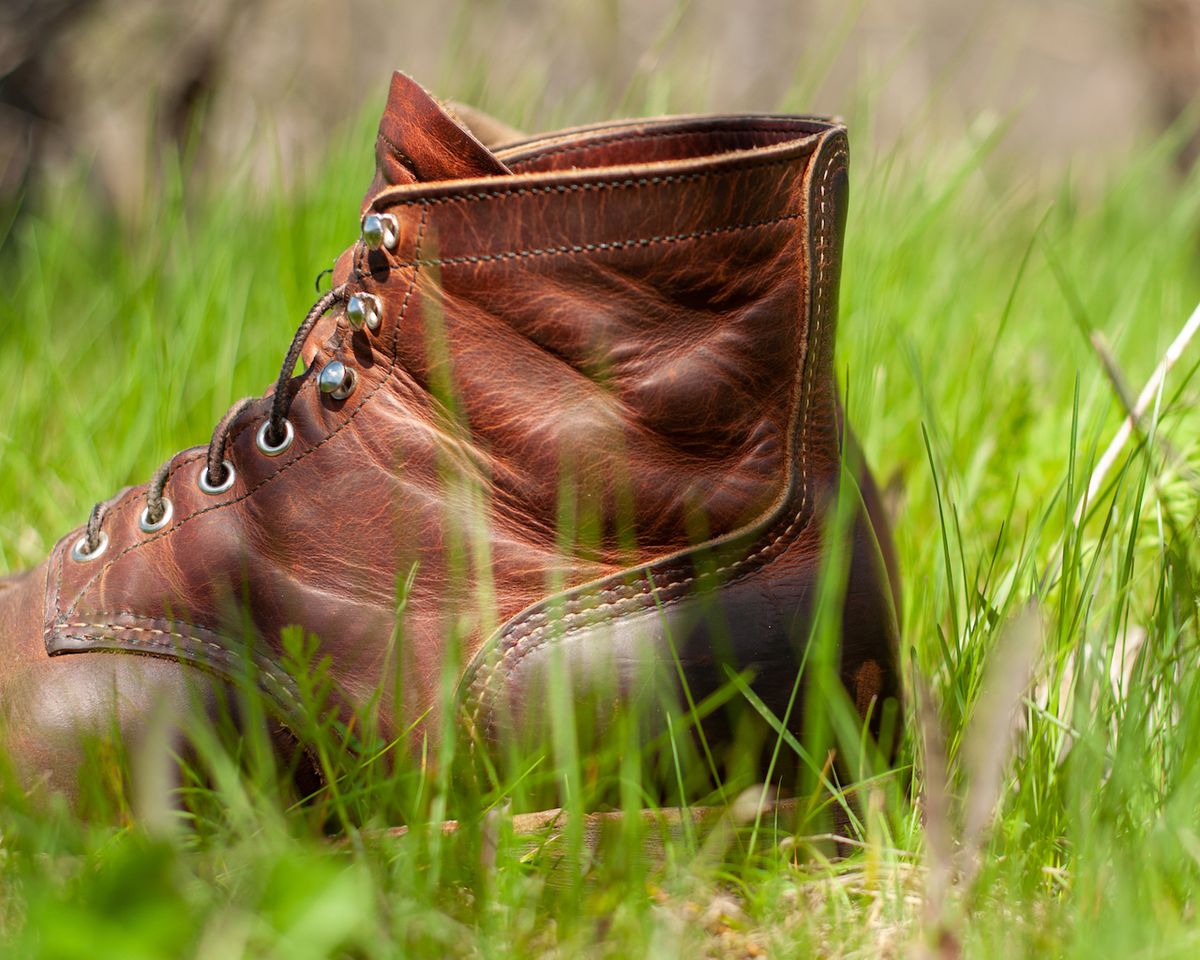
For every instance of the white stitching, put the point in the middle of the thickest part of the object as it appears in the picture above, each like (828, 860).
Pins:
(733, 130)
(269, 669)
(395, 194)
(520, 647)
(603, 246)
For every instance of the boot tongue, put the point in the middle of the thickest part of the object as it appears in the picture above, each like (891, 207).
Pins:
(419, 142)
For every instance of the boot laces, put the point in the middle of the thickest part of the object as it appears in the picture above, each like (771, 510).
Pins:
(218, 474)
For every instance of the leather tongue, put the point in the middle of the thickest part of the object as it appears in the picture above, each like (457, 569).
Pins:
(420, 142)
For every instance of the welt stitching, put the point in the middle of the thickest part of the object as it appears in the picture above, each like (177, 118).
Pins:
(222, 654)
(481, 687)
(630, 137)
(628, 183)
(338, 429)
(579, 249)
(279, 689)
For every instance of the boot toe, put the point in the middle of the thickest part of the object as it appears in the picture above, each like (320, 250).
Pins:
(53, 708)
(20, 618)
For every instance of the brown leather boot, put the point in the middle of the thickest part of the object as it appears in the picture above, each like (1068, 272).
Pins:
(574, 399)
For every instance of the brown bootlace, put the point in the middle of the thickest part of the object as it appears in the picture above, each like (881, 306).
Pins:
(215, 469)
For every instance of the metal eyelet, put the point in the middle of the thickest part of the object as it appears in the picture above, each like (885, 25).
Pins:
(148, 526)
(80, 553)
(263, 442)
(380, 230)
(364, 309)
(336, 380)
(211, 490)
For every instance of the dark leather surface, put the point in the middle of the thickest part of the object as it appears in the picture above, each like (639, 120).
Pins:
(624, 330)
(755, 619)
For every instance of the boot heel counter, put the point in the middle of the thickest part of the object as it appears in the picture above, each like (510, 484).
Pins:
(680, 649)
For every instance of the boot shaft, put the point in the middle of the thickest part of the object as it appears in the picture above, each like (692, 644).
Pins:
(629, 311)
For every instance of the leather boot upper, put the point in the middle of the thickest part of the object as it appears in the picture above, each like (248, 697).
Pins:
(598, 350)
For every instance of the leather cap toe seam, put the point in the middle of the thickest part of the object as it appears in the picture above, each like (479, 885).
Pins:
(145, 636)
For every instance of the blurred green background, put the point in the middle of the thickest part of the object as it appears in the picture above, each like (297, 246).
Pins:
(1083, 81)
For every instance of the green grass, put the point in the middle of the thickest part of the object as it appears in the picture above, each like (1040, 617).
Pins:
(970, 292)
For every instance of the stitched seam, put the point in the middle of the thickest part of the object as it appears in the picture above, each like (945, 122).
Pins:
(269, 668)
(405, 159)
(380, 202)
(49, 574)
(731, 130)
(130, 498)
(337, 430)
(580, 249)
(62, 560)
(481, 685)
(110, 626)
